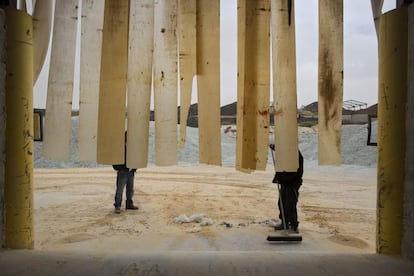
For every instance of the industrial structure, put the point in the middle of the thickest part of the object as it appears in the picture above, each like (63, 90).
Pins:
(131, 38)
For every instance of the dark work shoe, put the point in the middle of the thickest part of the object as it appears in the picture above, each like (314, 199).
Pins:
(117, 210)
(129, 205)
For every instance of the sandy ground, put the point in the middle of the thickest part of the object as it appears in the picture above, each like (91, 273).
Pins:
(74, 211)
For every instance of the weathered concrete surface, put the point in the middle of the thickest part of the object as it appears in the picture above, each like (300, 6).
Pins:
(24, 262)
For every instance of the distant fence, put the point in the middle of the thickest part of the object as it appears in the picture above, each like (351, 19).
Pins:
(355, 119)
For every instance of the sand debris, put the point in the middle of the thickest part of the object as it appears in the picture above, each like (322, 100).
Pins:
(201, 219)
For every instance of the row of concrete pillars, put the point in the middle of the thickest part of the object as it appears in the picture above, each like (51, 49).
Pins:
(395, 203)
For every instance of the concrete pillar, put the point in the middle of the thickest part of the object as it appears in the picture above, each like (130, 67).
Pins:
(113, 81)
(408, 221)
(376, 6)
(330, 82)
(284, 85)
(253, 84)
(391, 129)
(2, 116)
(18, 189)
(208, 81)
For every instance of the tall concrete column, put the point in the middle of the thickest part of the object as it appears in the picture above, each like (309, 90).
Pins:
(18, 189)
(408, 221)
(391, 130)
(330, 81)
(2, 117)
(284, 85)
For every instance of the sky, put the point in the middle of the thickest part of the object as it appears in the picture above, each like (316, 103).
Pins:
(360, 55)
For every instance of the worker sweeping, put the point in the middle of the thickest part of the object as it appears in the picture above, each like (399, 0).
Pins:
(290, 183)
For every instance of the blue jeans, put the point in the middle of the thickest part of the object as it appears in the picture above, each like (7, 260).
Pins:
(123, 178)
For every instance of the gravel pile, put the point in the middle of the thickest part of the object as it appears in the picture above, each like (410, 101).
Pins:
(354, 148)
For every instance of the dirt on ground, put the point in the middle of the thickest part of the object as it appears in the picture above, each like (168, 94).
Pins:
(202, 208)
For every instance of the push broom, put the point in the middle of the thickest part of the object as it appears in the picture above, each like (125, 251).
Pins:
(283, 235)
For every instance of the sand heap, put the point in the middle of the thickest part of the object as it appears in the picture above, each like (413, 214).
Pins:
(354, 147)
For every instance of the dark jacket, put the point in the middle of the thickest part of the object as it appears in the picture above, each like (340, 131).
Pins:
(122, 167)
(289, 178)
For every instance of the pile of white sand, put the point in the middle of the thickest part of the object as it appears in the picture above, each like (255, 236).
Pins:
(354, 148)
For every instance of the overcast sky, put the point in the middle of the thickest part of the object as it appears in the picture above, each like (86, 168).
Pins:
(360, 54)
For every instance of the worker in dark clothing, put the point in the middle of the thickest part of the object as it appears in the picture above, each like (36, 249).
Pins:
(125, 177)
(290, 183)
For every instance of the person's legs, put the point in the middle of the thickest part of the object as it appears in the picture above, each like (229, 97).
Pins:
(292, 195)
(121, 180)
(130, 191)
(282, 200)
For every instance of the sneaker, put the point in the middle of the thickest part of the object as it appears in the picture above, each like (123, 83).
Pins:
(117, 210)
(279, 226)
(293, 230)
